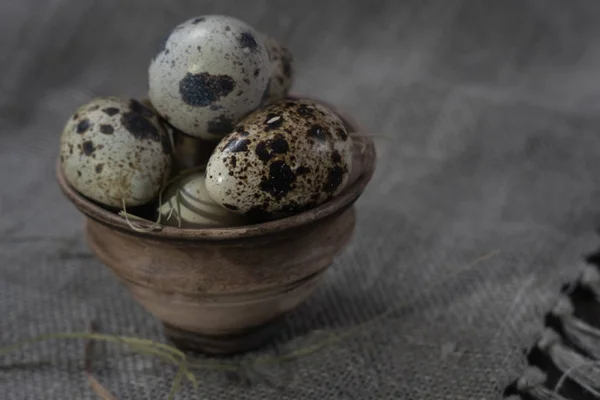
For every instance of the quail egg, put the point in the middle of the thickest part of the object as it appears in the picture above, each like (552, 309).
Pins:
(188, 205)
(282, 159)
(282, 72)
(212, 71)
(188, 152)
(114, 150)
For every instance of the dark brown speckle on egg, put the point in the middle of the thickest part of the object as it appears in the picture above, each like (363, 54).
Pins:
(203, 89)
(139, 126)
(83, 126)
(248, 41)
(111, 111)
(284, 166)
(88, 148)
(107, 129)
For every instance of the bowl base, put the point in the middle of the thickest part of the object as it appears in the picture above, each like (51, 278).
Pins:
(220, 345)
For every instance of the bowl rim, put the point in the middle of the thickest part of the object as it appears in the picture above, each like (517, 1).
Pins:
(337, 204)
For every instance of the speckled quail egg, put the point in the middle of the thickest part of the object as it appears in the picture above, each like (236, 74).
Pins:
(114, 150)
(282, 71)
(189, 152)
(282, 159)
(187, 204)
(212, 71)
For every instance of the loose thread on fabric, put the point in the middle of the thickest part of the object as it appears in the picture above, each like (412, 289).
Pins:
(582, 370)
(532, 384)
(583, 336)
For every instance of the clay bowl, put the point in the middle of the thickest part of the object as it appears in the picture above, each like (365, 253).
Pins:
(221, 290)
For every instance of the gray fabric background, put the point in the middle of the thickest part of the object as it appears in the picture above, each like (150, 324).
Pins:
(489, 109)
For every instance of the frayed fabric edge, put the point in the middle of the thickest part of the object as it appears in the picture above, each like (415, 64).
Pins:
(564, 363)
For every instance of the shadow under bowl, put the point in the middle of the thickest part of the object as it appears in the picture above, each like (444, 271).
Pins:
(221, 290)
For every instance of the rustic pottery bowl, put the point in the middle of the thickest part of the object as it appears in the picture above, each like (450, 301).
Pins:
(221, 290)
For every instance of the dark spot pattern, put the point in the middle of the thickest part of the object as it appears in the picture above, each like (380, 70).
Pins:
(280, 180)
(78, 173)
(342, 134)
(247, 40)
(336, 157)
(107, 129)
(299, 161)
(236, 145)
(201, 90)
(279, 145)
(318, 132)
(88, 148)
(230, 207)
(111, 111)
(139, 126)
(262, 153)
(83, 126)
(302, 170)
(139, 108)
(266, 150)
(198, 20)
(256, 72)
(304, 110)
(76, 116)
(233, 161)
(99, 168)
(334, 179)
(220, 125)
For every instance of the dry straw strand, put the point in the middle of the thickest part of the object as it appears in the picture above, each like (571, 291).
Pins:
(96, 386)
(155, 225)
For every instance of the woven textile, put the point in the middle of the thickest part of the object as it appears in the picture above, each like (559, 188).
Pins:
(484, 203)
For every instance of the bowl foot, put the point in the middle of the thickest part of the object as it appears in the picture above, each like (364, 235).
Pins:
(220, 345)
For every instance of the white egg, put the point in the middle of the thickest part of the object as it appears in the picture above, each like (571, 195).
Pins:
(187, 204)
(282, 159)
(115, 150)
(212, 71)
(282, 71)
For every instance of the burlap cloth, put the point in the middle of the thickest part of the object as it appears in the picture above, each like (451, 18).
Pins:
(489, 147)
